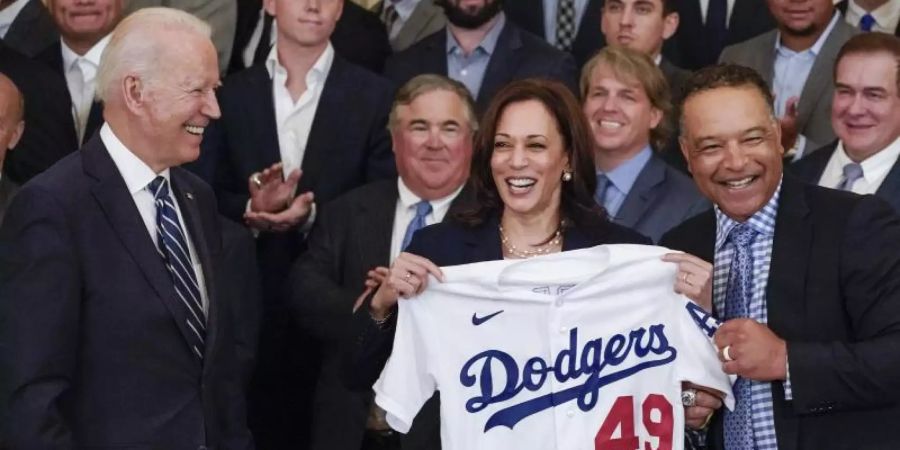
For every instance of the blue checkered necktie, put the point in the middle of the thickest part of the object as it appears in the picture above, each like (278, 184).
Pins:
(866, 22)
(423, 209)
(739, 423)
(174, 251)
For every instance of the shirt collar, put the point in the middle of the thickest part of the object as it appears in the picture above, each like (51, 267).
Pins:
(9, 14)
(93, 55)
(624, 176)
(817, 47)
(137, 173)
(404, 8)
(409, 199)
(763, 221)
(874, 166)
(488, 44)
(881, 14)
(318, 72)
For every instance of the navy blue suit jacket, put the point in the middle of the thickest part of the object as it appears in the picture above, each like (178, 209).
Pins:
(518, 55)
(94, 335)
(529, 14)
(811, 167)
(833, 294)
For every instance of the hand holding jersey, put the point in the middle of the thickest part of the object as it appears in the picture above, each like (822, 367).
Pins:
(570, 347)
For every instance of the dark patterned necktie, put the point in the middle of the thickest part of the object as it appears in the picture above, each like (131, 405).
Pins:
(175, 254)
(717, 24)
(565, 24)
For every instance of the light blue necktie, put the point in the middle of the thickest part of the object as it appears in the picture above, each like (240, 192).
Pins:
(423, 209)
(739, 423)
(866, 22)
(603, 183)
(852, 172)
(175, 254)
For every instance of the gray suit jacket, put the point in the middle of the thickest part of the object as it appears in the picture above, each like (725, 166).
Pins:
(814, 114)
(221, 15)
(661, 198)
(32, 30)
(7, 190)
(425, 20)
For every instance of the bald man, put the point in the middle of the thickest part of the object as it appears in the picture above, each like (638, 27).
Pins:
(12, 125)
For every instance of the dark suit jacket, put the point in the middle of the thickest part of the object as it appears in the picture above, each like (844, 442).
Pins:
(661, 198)
(95, 335)
(810, 169)
(49, 130)
(352, 236)
(426, 18)
(8, 189)
(518, 55)
(814, 108)
(359, 36)
(529, 14)
(32, 30)
(834, 295)
(348, 146)
(52, 57)
(842, 7)
(692, 48)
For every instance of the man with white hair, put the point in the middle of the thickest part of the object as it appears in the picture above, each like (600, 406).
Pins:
(114, 330)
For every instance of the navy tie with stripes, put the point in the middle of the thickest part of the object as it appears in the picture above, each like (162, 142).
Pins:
(172, 246)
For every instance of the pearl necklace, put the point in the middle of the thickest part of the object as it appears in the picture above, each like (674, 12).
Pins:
(544, 249)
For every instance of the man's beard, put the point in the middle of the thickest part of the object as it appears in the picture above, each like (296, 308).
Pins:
(470, 19)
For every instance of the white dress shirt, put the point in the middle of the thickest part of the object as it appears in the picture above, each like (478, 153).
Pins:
(405, 211)
(875, 168)
(887, 16)
(138, 176)
(81, 79)
(8, 15)
(294, 119)
(704, 7)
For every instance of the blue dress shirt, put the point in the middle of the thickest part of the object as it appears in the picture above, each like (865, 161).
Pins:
(622, 178)
(469, 70)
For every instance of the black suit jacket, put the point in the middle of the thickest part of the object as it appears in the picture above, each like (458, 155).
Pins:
(529, 14)
(359, 36)
(49, 130)
(52, 57)
(692, 48)
(834, 295)
(811, 167)
(676, 77)
(95, 335)
(351, 237)
(32, 30)
(842, 7)
(518, 55)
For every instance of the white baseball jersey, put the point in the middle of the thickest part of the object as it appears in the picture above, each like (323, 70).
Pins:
(578, 350)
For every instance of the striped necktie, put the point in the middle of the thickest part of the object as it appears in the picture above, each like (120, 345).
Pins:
(175, 254)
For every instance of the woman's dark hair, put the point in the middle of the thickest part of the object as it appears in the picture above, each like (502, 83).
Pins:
(577, 205)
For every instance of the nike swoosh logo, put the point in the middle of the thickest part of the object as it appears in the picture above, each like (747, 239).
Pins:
(480, 320)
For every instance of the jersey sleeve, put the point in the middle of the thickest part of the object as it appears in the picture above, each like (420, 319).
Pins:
(407, 380)
(698, 360)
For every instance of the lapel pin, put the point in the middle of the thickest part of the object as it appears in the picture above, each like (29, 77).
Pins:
(189, 195)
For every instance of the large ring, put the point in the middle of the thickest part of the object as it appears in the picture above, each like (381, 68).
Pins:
(725, 353)
(408, 276)
(684, 279)
(689, 397)
(255, 180)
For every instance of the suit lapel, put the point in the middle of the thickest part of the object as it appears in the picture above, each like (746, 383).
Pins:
(483, 243)
(95, 120)
(501, 65)
(190, 211)
(638, 199)
(322, 137)
(415, 26)
(890, 187)
(765, 57)
(260, 114)
(820, 76)
(117, 204)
